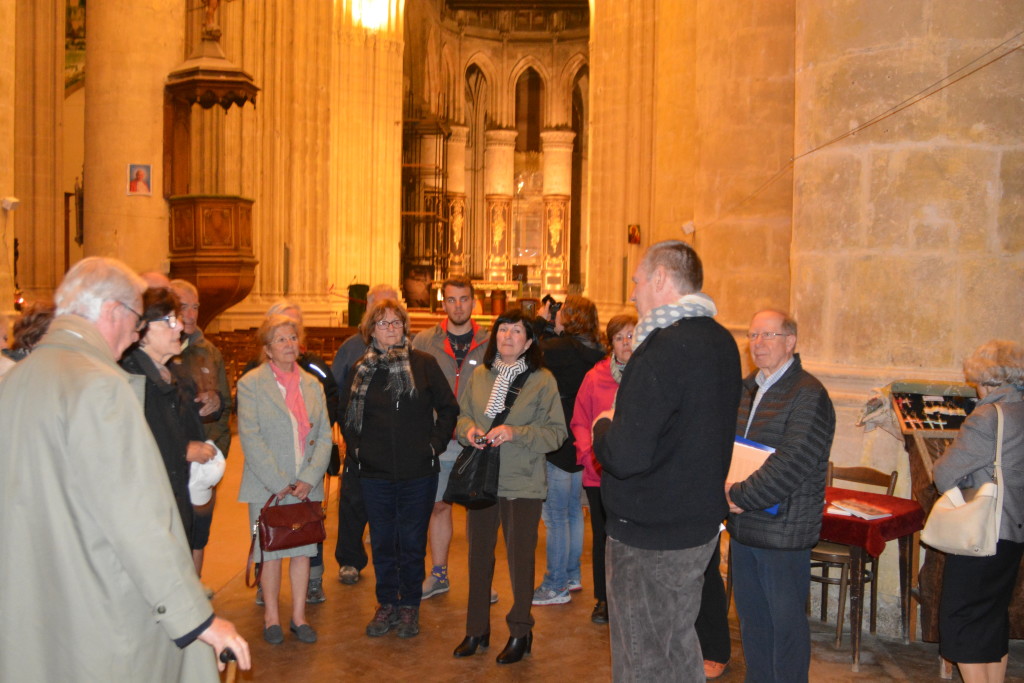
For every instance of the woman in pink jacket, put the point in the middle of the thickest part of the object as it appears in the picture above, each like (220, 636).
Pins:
(597, 393)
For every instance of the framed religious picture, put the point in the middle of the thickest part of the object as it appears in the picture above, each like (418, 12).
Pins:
(634, 233)
(140, 179)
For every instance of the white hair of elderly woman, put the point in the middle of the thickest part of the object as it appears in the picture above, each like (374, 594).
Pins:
(94, 280)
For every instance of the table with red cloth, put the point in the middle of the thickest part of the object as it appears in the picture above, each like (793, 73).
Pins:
(870, 536)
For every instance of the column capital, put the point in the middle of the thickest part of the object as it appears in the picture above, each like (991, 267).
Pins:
(557, 138)
(459, 136)
(500, 137)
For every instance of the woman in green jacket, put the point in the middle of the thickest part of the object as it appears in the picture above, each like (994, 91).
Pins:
(535, 425)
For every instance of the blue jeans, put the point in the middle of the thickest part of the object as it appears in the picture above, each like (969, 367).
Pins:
(563, 519)
(771, 589)
(398, 512)
(653, 600)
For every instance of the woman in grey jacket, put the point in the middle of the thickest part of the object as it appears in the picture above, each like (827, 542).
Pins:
(974, 621)
(286, 438)
(535, 425)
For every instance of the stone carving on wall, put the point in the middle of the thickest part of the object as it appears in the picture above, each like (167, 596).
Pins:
(457, 207)
(555, 215)
(498, 225)
(498, 262)
(556, 208)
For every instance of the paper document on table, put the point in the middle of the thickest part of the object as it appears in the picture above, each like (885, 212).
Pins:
(747, 458)
(861, 509)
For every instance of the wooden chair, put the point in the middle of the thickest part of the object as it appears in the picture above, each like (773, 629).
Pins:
(826, 555)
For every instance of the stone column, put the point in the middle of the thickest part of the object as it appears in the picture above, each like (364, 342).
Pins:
(624, 51)
(557, 147)
(124, 125)
(35, 58)
(499, 157)
(457, 198)
(7, 142)
(364, 176)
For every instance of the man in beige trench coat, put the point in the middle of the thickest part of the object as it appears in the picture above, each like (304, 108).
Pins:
(96, 579)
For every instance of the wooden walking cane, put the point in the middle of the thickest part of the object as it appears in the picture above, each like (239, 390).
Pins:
(228, 657)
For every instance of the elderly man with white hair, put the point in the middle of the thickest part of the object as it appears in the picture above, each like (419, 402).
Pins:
(96, 580)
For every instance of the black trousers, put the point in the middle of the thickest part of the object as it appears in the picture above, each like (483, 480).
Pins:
(349, 551)
(713, 619)
(599, 540)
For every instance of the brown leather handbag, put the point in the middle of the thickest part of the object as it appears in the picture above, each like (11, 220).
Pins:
(281, 527)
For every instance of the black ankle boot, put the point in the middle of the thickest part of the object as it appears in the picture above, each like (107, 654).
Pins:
(600, 613)
(515, 648)
(469, 644)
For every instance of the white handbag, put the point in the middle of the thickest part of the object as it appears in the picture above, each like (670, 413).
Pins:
(966, 522)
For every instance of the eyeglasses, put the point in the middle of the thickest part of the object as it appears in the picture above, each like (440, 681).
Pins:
(139, 322)
(384, 324)
(285, 340)
(171, 320)
(622, 337)
(767, 336)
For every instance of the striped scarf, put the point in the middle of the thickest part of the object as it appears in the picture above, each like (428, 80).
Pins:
(698, 305)
(400, 381)
(617, 368)
(507, 373)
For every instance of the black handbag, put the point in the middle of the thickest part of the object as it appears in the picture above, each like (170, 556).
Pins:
(473, 481)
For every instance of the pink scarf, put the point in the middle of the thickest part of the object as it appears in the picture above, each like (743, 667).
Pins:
(293, 399)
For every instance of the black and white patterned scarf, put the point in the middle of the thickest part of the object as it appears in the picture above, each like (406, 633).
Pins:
(697, 305)
(400, 381)
(507, 373)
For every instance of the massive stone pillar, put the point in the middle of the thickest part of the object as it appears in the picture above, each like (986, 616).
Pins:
(908, 237)
(642, 137)
(34, 62)
(7, 142)
(557, 148)
(457, 198)
(743, 184)
(124, 125)
(364, 177)
(499, 171)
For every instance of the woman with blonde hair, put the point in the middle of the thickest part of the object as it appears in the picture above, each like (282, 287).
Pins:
(974, 621)
(286, 439)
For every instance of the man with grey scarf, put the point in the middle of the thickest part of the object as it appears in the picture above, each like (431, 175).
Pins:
(665, 449)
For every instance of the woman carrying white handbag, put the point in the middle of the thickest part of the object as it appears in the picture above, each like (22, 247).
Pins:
(974, 622)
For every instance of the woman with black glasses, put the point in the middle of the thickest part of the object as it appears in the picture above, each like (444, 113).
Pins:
(169, 404)
(399, 416)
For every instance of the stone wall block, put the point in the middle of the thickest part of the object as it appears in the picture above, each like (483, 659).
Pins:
(986, 106)
(852, 90)
(742, 294)
(827, 210)
(978, 20)
(926, 192)
(813, 297)
(865, 24)
(1010, 228)
(991, 301)
(899, 313)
